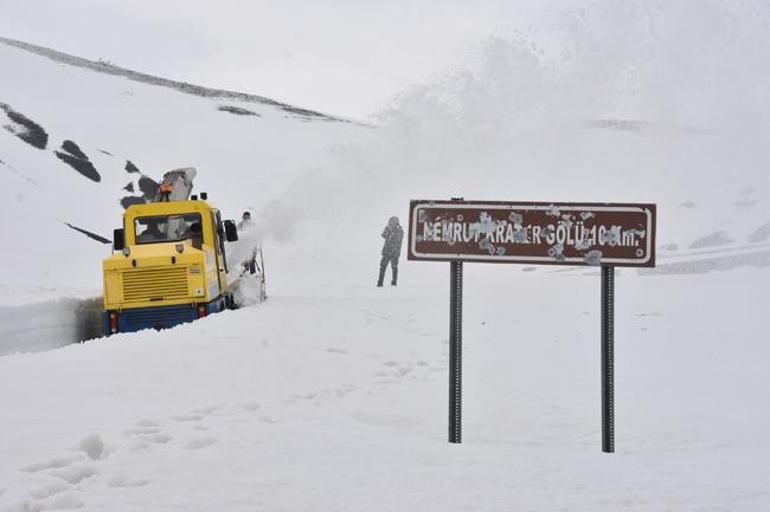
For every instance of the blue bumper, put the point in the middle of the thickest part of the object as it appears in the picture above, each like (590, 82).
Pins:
(160, 317)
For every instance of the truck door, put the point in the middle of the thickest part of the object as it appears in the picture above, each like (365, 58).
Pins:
(219, 247)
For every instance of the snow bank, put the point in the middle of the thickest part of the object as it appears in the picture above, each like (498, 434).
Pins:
(51, 324)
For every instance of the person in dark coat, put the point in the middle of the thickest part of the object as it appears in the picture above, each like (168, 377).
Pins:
(391, 249)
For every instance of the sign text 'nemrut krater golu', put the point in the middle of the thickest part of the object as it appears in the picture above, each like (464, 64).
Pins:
(615, 234)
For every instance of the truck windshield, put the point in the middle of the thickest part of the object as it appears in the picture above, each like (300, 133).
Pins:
(167, 228)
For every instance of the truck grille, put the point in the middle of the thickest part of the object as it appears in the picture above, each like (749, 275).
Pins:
(163, 283)
(156, 318)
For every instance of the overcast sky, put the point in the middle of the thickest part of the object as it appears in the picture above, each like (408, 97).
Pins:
(350, 57)
(346, 57)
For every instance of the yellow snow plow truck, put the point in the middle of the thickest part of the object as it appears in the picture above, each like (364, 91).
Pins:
(168, 264)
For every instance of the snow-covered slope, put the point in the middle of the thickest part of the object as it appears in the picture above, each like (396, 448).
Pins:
(332, 394)
(247, 150)
(312, 179)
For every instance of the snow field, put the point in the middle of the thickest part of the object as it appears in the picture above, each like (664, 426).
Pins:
(332, 394)
(341, 403)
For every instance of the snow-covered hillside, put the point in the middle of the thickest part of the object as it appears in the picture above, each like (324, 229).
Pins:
(311, 178)
(332, 394)
(122, 131)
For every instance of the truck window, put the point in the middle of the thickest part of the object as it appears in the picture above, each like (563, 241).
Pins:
(167, 228)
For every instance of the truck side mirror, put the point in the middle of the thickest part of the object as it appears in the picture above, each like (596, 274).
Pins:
(231, 231)
(118, 239)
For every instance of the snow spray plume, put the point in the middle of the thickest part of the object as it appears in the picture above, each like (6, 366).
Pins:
(637, 102)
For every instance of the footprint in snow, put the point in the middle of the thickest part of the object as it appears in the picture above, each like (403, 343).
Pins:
(188, 417)
(344, 390)
(201, 442)
(75, 474)
(146, 435)
(250, 406)
(61, 462)
(211, 409)
(141, 431)
(45, 492)
(121, 481)
(404, 370)
(159, 438)
(139, 446)
(66, 501)
(148, 423)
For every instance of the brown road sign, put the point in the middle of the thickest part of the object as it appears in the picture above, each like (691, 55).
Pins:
(617, 234)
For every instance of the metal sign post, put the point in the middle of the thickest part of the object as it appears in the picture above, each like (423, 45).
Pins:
(608, 359)
(455, 351)
(593, 234)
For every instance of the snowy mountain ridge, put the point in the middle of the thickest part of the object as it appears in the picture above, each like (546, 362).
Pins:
(187, 88)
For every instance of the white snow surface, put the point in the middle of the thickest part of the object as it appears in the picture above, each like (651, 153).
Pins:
(332, 395)
(335, 398)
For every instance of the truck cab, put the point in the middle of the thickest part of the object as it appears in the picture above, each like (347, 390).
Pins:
(168, 266)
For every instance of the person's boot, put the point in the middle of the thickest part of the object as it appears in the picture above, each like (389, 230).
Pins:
(395, 276)
(382, 277)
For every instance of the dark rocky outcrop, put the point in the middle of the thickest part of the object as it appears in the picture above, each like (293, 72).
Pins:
(187, 88)
(25, 128)
(238, 111)
(89, 234)
(127, 201)
(73, 156)
(130, 167)
(149, 187)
